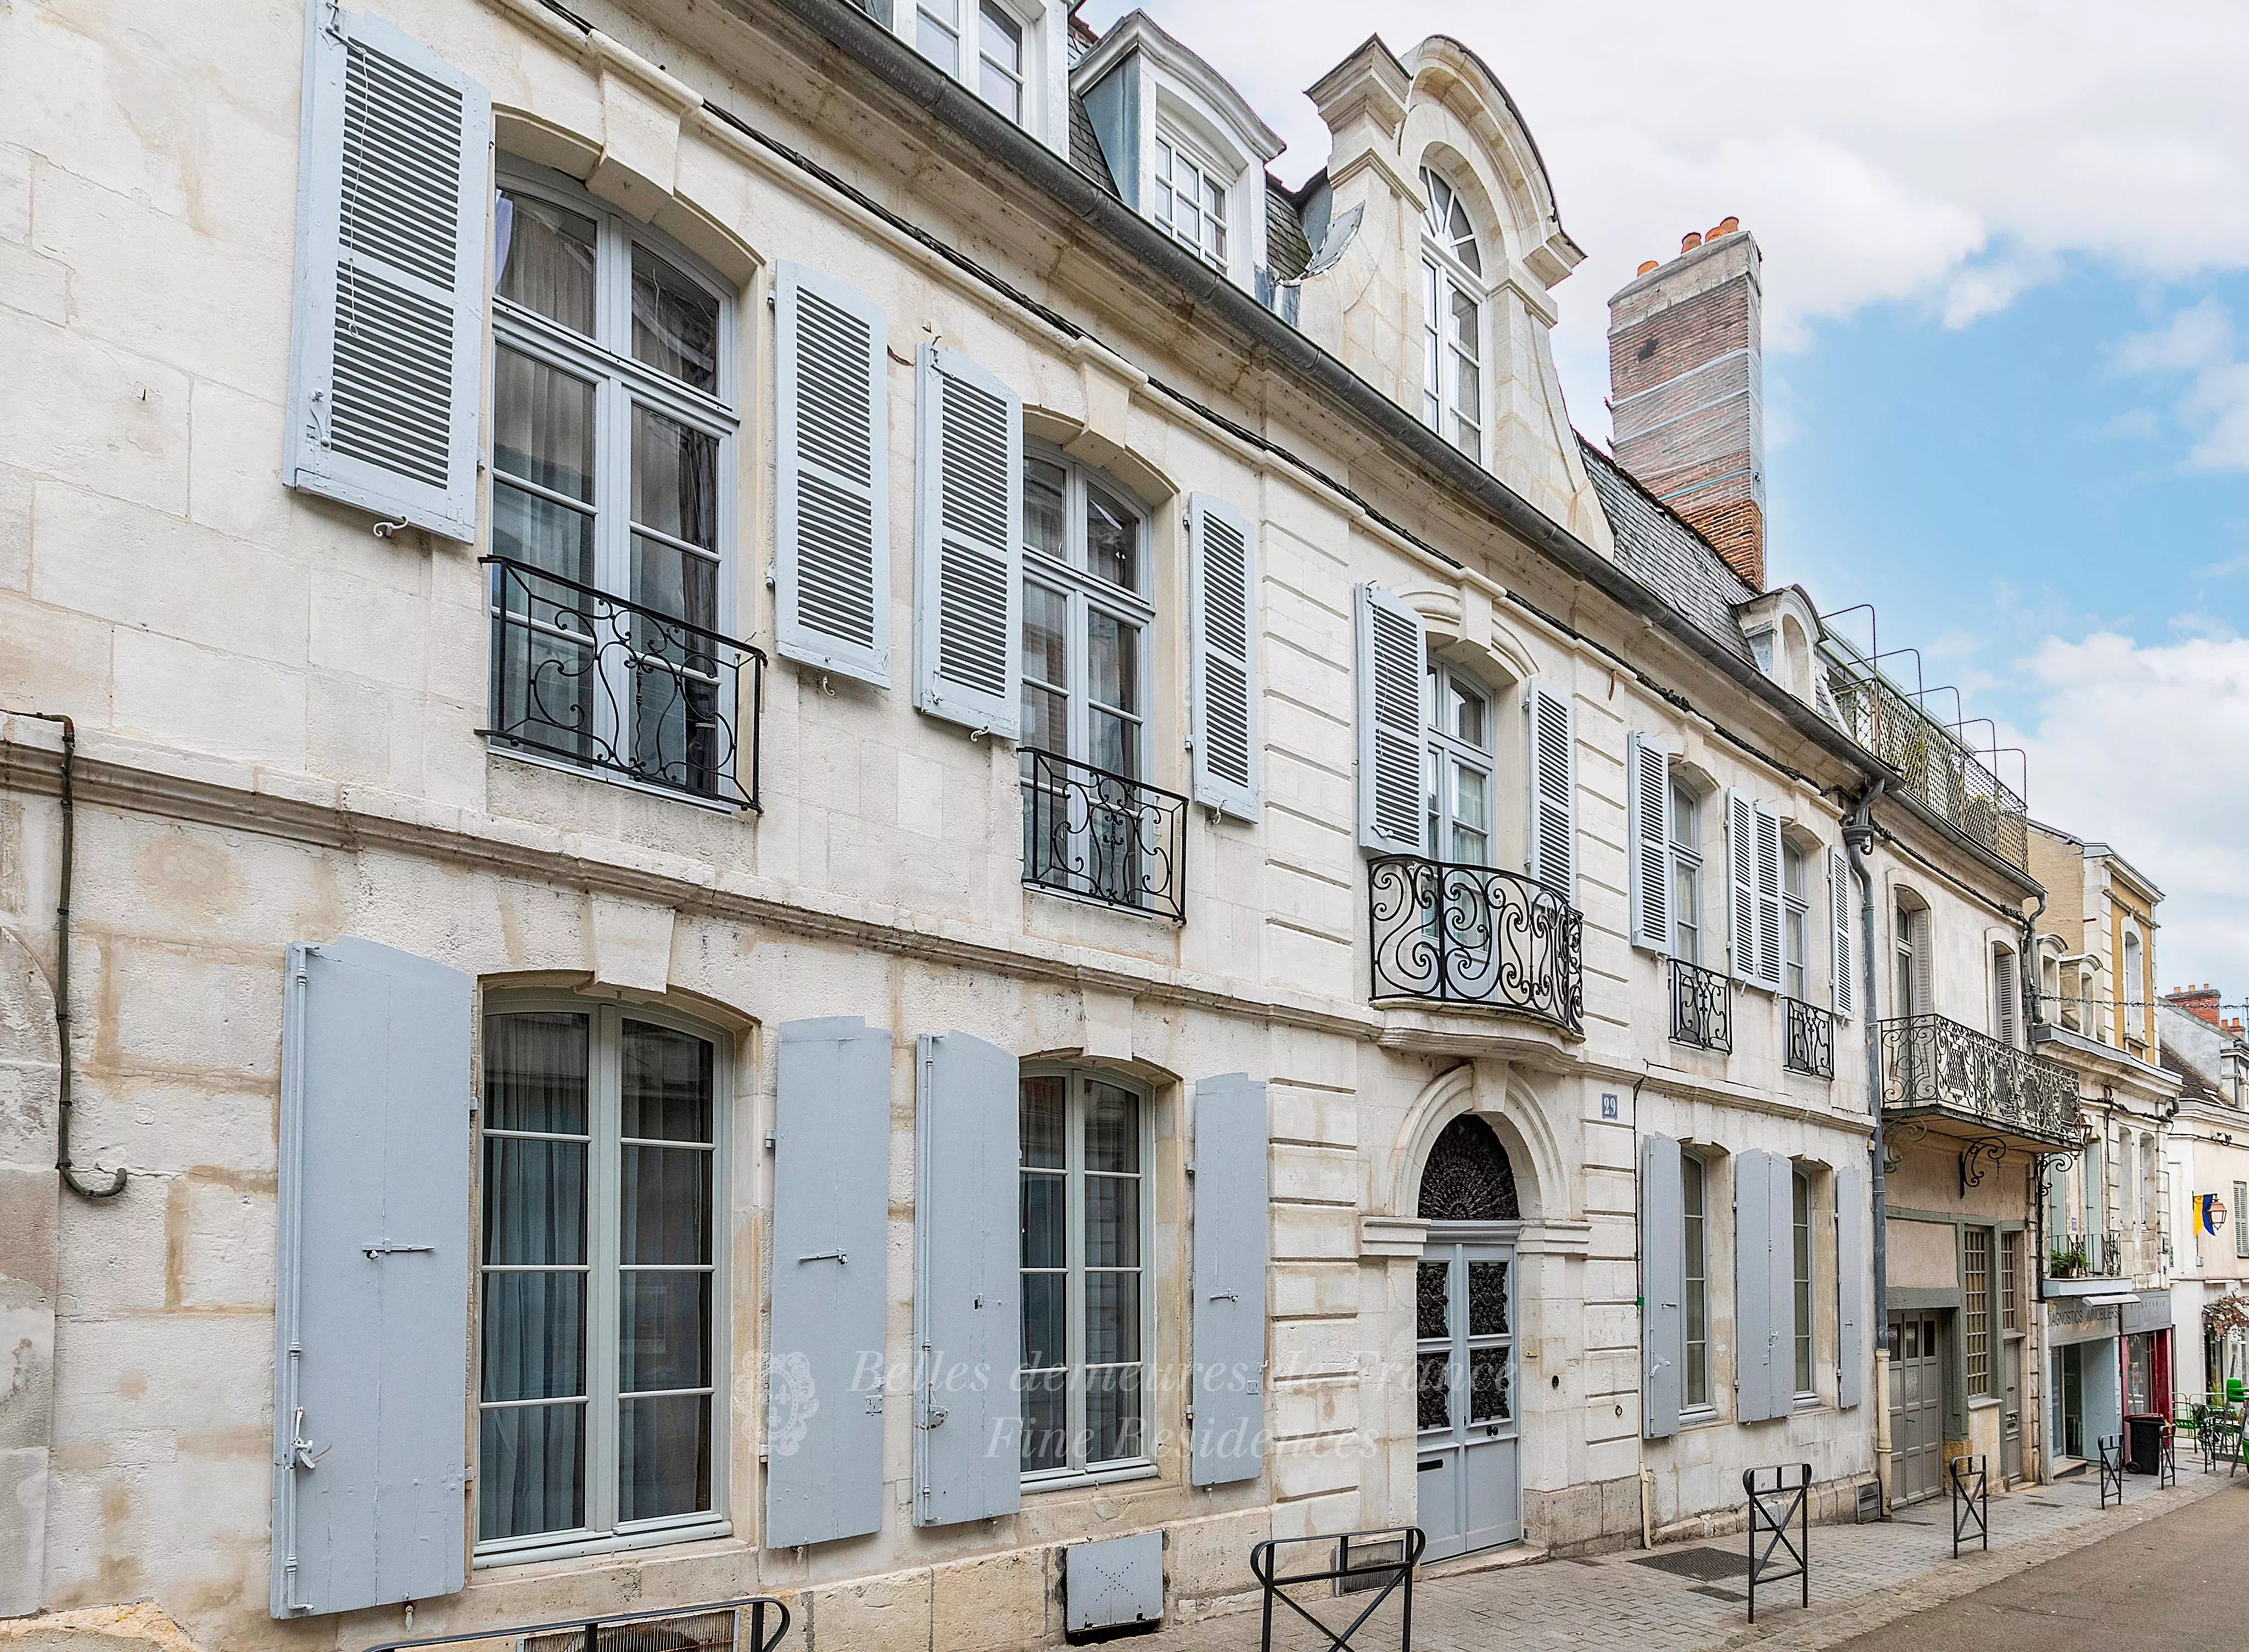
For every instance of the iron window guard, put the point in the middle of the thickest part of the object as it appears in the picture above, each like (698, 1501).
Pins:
(1811, 1043)
(618, 1632)
(1931, 1061)
(1454, 934)
(1701, 1006)
(1104, 836)
(599, 682)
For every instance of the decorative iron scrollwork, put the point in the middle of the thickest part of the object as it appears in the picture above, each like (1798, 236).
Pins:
(1104, 836)
(1930, 1062)
(1701, 1006)
(1811, 1046)
(1984, 1151)
(1897, 1139)
(1468, 1177)
(1475, 935)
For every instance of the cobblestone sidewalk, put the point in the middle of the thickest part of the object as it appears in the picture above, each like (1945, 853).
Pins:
(1862, 1576)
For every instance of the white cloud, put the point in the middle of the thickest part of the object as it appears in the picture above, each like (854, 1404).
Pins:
(2142, 747)
(2196, 338)
(2199, 341)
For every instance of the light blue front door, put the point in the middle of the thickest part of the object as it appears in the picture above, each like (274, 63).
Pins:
(1468, 1473)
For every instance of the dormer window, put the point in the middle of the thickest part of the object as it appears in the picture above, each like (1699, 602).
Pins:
(1187, 200)
(990, 56)
(1452, 320)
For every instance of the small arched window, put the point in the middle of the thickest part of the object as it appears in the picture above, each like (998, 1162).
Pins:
(1452, 318)
(1468, 1177)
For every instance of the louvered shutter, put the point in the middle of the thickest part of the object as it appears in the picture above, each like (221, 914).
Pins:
(387, 339)
(371, 1321)
(1663, 1285)
(1393, 661)
(969, 540)
(831, 1218)
(967, 1256)
(1222, 655)
(1649, 825)
(1839, 911)
(1769, 970)
(1851, 1281)
(1742, 889)
(2006, 991)
(1553, 788)
(1231, 1227)
(1757, 1290)
(832, 503)
(1924, 991)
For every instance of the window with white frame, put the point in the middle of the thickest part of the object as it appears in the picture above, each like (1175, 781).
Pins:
(1686, 871)
(1456, 764)
(1795, 923)
(600, 1307)
(2131, 996)
(1085, 1142)
(1800, 1196)
(1693, 1179)
(982, 49)
(613, 473)
(1452, 318)
(1188, 197)
(1086, 615)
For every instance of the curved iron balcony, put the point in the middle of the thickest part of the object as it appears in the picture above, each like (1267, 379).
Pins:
(1104, 836)
(1932, 1065)
(1811, 1039)
(1452, 934)
(598, 682)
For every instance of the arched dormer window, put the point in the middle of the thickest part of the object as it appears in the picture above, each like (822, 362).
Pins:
(1452, 318)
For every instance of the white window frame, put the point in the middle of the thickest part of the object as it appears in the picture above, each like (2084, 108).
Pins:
(620, 383)
(1086, 593)
(1694, 1269)
(603, 1177)
(1795, 921)
(1683, 856)
(1444, 752)
(1079, 1472)
(963, 20)
(1162, 183)
(1443, 274)
(1804, 1273)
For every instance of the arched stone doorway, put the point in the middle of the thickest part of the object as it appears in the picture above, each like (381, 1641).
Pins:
(1467, 1458)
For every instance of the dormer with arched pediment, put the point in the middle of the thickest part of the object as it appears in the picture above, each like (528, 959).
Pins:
(1436, 245)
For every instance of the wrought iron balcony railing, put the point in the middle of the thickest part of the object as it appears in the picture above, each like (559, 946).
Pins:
(1454, 934)
(1810, 1046)
(596, 681)
(1937, 766)
(1701, 1006)
(1103, 836)
(1933, 1064)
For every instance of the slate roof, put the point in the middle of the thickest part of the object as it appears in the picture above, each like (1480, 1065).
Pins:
(1288, 254)
(1657, 548)
(1085, 149)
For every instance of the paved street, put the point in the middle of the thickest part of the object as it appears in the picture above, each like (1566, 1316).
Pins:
(2062, 1573)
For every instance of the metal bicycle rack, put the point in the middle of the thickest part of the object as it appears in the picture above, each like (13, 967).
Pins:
(1970, 1480)
(2167, 1457)
(2111, 1450)
(1382, 1570)
(634, 1631)
(1773, 1509)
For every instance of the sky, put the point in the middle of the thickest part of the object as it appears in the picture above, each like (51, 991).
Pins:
(2006, 301)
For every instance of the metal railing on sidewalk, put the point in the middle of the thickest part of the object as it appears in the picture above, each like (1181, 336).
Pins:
(715, 1626)
(2110, 1450)
(1382, 1558)
(1970, 1482)
(1773, 1509)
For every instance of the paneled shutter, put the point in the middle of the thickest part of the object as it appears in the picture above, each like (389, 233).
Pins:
(1839, 913)
(371, 1317)
(1393, 658)
(1648, 809)
(1553, 789)
(968, 545)
(1663, 1286)
(1231, 1218)
(1770, 971)
(832, 1208)
(387, 340)
(832, 505)
(967, 1256)
(1222, 655)
(1850, 1286)
(1757, 1289)
(1742, 889)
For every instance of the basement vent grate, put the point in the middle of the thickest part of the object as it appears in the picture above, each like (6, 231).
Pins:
(1710, 1565)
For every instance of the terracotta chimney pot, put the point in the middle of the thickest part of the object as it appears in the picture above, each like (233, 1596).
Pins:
(1689, 242)
(1646, 267)
(1726, 225)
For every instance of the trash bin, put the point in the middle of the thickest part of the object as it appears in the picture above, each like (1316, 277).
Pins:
(2144, 1443)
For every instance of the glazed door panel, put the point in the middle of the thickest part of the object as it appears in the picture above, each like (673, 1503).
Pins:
(1469, 1480)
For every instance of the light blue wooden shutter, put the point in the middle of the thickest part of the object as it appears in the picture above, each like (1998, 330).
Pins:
(967, 1258)
(1771, 970)
(832, 1208)
(387, 341)
(1663, 1285)
(1222, 655)
(832, 498)
(1553, 761)
(1741, 891)
(1840, 905)
(1757, 1290)
(1648, 820)
(1392, 659)
(968, 545)
(372, 1263)
(1231, 1244)
(1850, 1285)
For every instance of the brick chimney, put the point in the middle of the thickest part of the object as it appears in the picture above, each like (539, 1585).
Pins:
(1687, 389)
(2197, 1000)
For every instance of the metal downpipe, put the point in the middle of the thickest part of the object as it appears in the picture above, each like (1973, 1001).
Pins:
(1857, 836)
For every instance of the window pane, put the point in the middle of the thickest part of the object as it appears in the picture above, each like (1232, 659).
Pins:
(1487, 1298)
(534, 1335)
(535, 1203)
(1113, 1128)
(1042, 1121)
(1046, 528)
(1112, 1222)
(1113, 1416)
(663, 1330)
(668, 1088)
(1433, 1390)
(675, 322)
(1112, 540)
(542, 425)
(1471, 717)
(1000, 63)
(1046, 1421)
(664, 1198)
(1044, 1234)
(663, 1456)
(1433, 1306)
(675, 479)
(1487, 1395)
(1464, 329)
(544, 257)
(531, 1470)
(535, 1073)
(940, 44)
(1112, 661)
(1115, 746)
(526, 528)
(1046, 633)
(1112, 1318)
(1045, 1338)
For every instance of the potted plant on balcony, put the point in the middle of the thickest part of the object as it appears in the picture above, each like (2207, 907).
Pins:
(2066, 1262)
